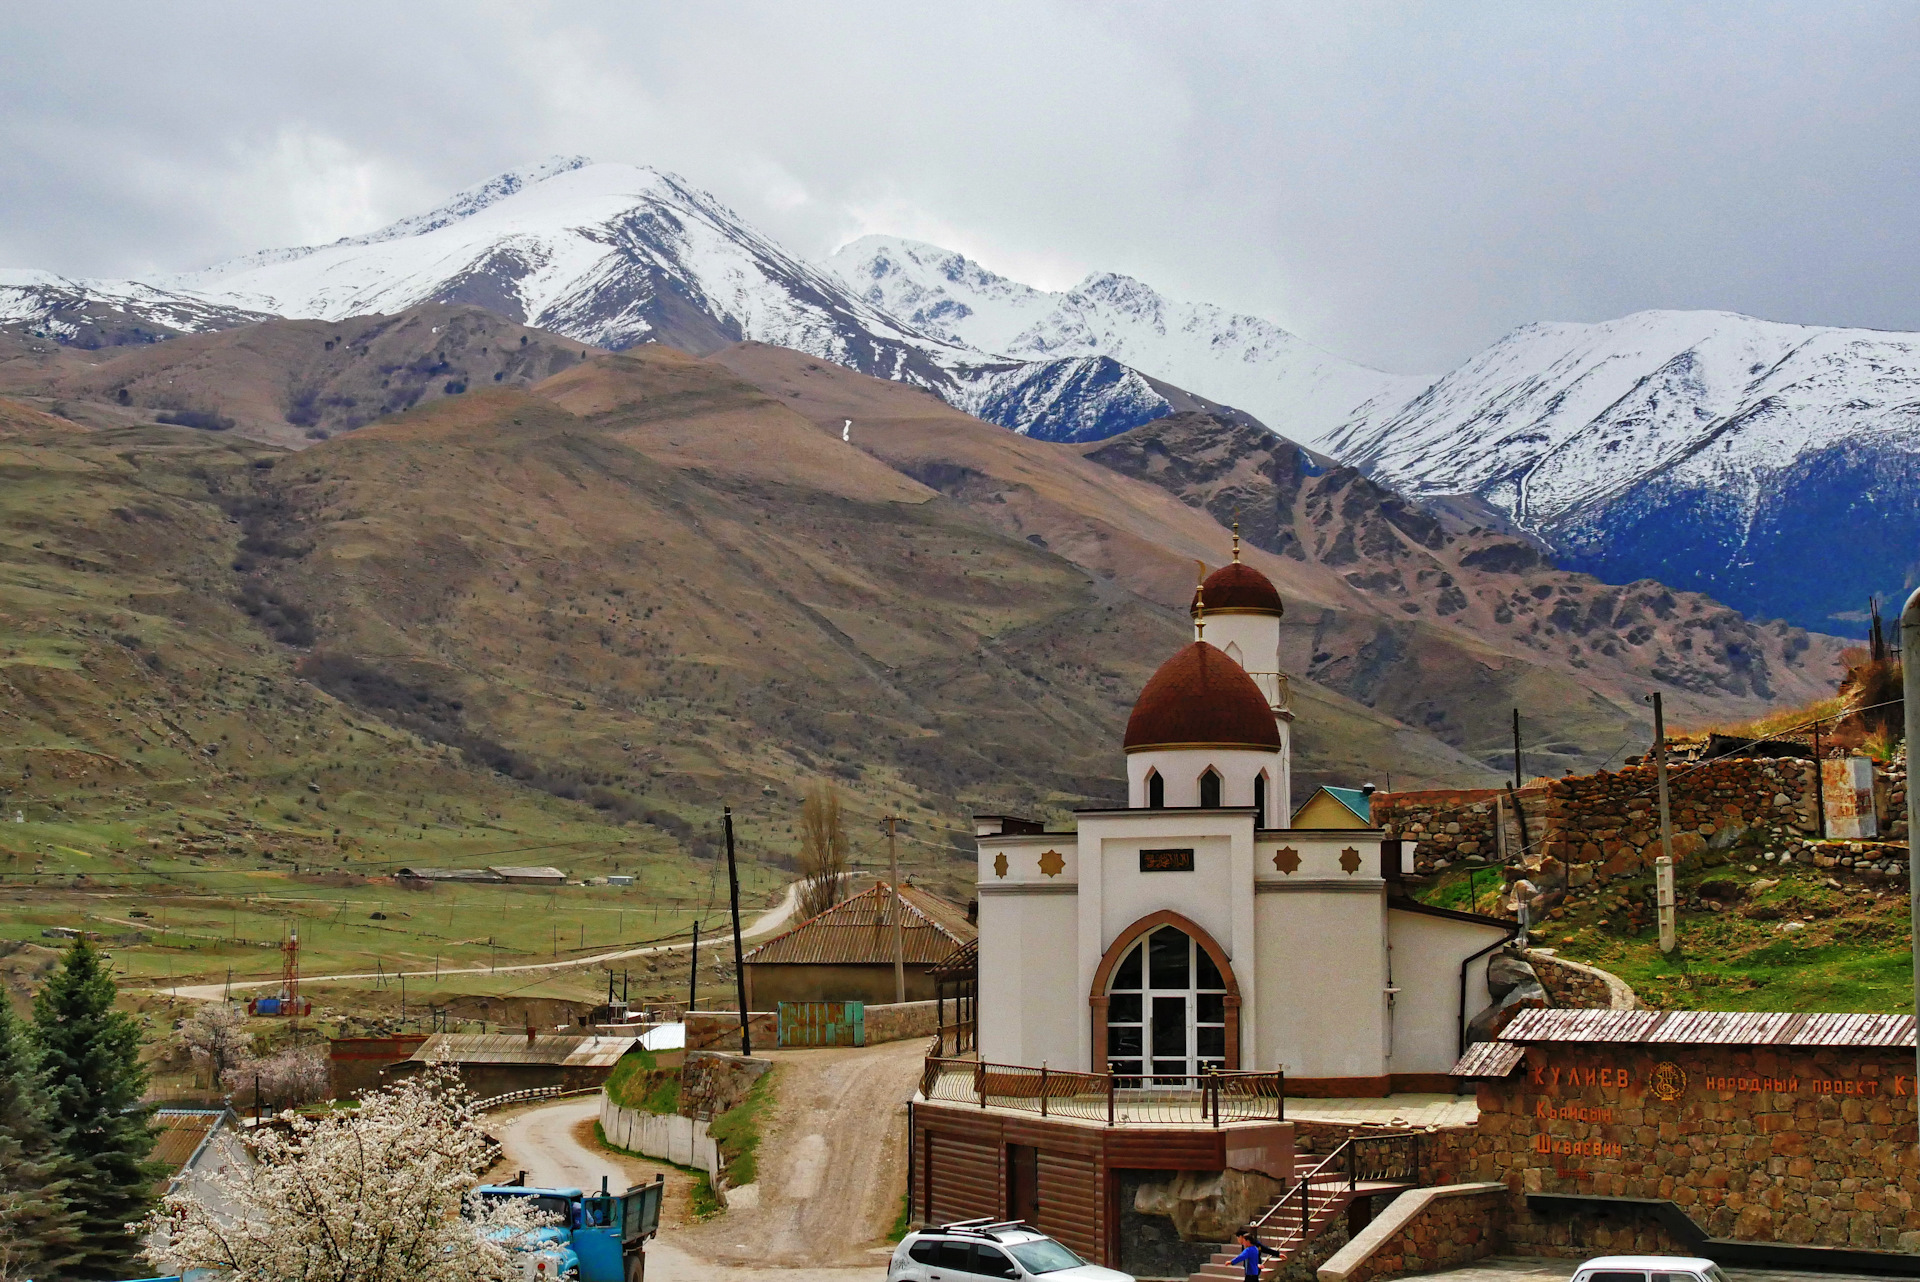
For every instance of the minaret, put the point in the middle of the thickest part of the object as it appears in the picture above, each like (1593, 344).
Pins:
(1241, 615)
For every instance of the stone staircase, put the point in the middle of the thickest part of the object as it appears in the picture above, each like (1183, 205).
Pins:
(1356, 1169)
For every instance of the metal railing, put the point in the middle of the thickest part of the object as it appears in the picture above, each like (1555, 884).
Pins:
(1111, 1098)
(531, 1093)
(1369, 1159)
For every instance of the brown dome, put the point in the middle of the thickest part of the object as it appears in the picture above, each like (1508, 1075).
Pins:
(1200, 696)
(1239, 589)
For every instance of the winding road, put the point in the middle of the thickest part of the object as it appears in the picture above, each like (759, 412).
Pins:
(832, 1167)
(767, 923)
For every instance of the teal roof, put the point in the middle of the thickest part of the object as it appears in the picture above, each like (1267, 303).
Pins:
(1353, 799)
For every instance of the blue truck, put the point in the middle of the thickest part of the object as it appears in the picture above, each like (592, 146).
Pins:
(597, 1237)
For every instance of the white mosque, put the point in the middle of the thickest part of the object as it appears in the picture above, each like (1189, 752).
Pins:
(1198, 928)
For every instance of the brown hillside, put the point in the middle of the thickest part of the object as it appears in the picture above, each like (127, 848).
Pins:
(1439, 624)
(288, 382)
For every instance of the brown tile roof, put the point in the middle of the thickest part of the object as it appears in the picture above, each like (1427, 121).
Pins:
(859, 930)
(1200, 696)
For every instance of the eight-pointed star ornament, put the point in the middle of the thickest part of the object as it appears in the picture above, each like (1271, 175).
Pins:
(1287, 860)
(1350, 859)
(1052, 864)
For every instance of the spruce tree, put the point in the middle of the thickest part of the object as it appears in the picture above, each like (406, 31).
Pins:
(39, 1236)
(89, 1067)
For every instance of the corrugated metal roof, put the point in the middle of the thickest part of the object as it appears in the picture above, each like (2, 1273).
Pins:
(1489, 1059)
(1711, 1028)
(860, 930)
(542, 873)
(962, 963)
(514, 1048)
(181, 1132)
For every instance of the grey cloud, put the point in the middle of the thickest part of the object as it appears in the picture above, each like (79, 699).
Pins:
(1398, 183)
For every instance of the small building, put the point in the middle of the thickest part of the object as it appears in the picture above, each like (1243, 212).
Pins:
(484, 875)
(499, 1063)
(1336, 808)
(846, 953)
(356, 1063)
(531, 876)
(192, 1142)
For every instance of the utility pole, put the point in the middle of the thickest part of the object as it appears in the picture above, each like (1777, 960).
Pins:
(1664, 865)
(899, 927)
(693, 974)
(1517, 784)
(1820, 774)
(1910, 693)
(739, 964)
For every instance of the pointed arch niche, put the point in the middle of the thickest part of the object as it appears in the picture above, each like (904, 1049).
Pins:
(1099, 996)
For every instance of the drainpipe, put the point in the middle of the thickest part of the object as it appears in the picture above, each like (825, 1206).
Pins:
(1498, 943)
(1910, 692)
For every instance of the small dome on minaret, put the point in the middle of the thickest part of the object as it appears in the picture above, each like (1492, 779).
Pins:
(1237, 589)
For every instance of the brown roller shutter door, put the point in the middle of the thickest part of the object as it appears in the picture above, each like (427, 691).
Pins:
(1072, 1206)
(963, 1179)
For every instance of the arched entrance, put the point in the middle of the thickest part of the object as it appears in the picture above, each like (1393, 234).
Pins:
(1165, 1003)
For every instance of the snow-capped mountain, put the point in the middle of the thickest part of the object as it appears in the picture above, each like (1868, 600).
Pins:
(612, 255)
(1706, 449)
(1295, 388)
(104, 313)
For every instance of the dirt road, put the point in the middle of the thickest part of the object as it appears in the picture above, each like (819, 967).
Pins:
(767, 923)
(832, 1164)
(554, 1145)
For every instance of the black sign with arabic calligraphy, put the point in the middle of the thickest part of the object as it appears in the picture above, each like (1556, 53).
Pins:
(1180, 860)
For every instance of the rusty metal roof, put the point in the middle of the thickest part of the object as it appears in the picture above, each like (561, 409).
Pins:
(859, 930)
(181, 1132)
(1489, 1059)
(1711, 1028)
(514, 1048)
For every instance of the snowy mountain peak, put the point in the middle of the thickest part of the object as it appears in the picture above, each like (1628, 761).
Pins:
(1244, 361)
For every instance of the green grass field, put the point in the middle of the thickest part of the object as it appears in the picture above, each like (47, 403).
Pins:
(1799, 944)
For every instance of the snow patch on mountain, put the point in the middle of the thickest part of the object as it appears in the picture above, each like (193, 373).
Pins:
(1556, 416)
(1297, 389)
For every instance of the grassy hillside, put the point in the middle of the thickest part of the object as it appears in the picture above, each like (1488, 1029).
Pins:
(1789, 939)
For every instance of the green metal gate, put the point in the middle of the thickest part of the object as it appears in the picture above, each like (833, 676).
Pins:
(823, 1023)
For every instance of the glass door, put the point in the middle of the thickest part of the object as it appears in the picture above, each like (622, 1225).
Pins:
(1166, 1011)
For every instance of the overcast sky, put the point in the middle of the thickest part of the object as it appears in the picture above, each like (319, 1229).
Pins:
(1401, 184)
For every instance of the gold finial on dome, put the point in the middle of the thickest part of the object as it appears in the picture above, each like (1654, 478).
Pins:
(1199, 602)
(1236, 536)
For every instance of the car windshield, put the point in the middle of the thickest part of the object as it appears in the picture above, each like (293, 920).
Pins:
(1044, 1256)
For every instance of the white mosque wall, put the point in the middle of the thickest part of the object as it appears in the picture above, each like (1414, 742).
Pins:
(1322, 1011)
(1032, 1011)
(1181, 769)
(1426, 957)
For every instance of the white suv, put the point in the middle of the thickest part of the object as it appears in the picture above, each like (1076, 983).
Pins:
(1649, 1268)
(990, 1251)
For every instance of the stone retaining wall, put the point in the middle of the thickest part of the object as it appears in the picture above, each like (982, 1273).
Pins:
(897, 1021)
(1423, 1230)
(721, 1029)
(1808, 1145)
(1574, 986)
(711, 1082)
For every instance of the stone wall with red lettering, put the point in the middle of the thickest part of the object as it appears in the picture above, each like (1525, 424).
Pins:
(1756, 1143)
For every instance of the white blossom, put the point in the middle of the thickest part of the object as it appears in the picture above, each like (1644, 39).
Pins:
(373, 1194)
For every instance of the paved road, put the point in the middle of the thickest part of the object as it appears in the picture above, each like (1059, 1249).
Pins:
(767, 923)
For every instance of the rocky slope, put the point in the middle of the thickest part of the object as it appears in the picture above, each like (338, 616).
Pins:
(1776, 466)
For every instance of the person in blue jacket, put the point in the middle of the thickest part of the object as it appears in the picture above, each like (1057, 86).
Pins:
(1251, 1254)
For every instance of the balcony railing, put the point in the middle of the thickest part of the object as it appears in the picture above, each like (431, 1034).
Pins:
(1113, 1099)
